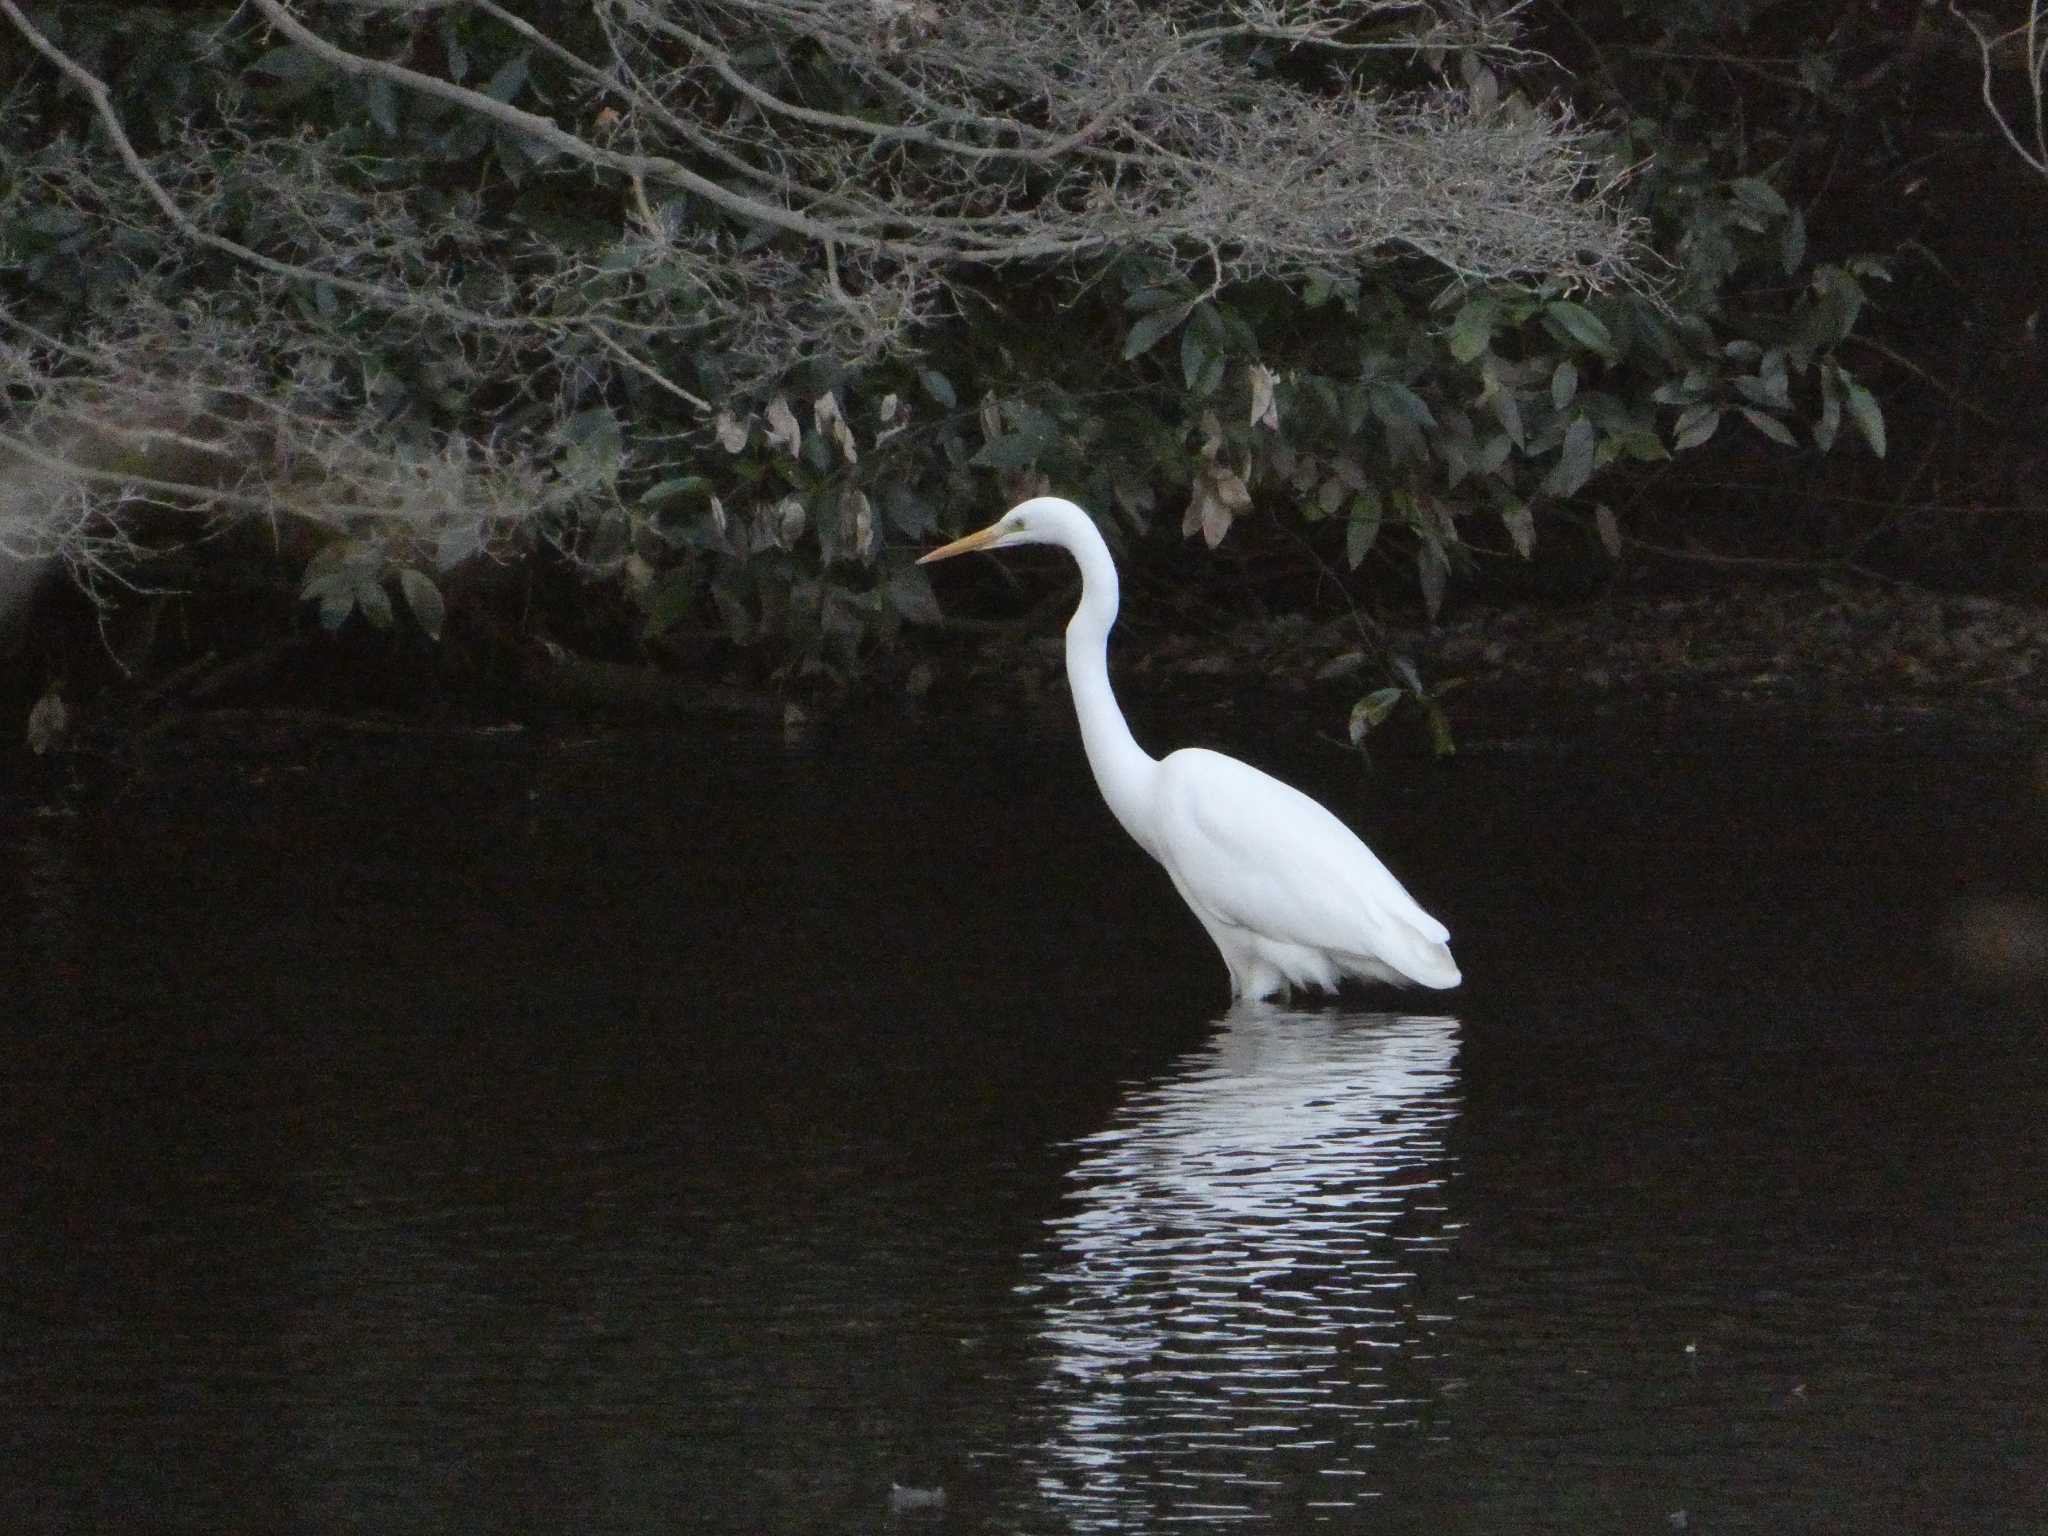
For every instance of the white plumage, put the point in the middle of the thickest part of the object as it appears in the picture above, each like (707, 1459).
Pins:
(1288, 893)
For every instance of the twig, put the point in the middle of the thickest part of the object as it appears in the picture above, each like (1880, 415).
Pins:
(178, 488)
(2036, 74)
(651, 167)
(1947, 392)
(649, 371)
(96, 90)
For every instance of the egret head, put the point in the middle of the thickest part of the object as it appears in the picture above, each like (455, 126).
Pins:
(1041, 520)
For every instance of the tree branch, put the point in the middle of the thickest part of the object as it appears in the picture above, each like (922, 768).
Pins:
(546, 131)
(96, 91)
(2036, 41)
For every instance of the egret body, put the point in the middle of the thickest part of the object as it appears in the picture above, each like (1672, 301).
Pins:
(1288, 892)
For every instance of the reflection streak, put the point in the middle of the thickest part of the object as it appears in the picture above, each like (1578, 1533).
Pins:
(1229, 1312)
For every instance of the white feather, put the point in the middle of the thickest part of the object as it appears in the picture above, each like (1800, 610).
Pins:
(1288, 893)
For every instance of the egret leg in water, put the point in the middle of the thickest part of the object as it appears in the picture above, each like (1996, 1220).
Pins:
(1288, 892)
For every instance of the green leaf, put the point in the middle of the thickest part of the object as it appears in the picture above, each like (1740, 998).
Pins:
(1792, 243)
(1398, 405)
(1507, 410)
(1579, 324)
(1201, 351)
(1838, 304)
(596, 429)
(939, 387)
(1144, 300)
(1328, 498)
(1693, 388)
(1441, 742)
(1696, 423)
(1564, 383)
(1760, 200)
(1379, 703)
(675, 489)
(1609, 530)
(668, 602)
(336, 605)
(1639, 443)
(1194, 356)
(1042, 427)
(287, 64)
(1471, 332)
(1830, 421)
(506, 83)
(323, 583)
(423, 600)
(1013, 450)
(1353, 405)
(1432, 570)
(1235, 333)
(1371, 710)
(1364, 527)
(1770, 426)
(909, 592)
(1574, 465)
(381, 97)
(375, 603)
(453, 50)
(1864, 411)
(1323, 287)
(457, 544)
(1521, 526)
(1154, 328)
(1457, 456)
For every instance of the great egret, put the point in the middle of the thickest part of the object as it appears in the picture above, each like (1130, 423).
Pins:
(1287, 891)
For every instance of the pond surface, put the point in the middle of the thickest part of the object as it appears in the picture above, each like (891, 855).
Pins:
(639, 1136)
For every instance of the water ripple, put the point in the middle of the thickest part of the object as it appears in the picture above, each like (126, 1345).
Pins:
(1229, 1311)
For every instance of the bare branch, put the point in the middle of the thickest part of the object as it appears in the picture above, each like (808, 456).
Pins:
(2033, 35)
(1119, 89)
(752, 217)
(96, 92)
(658, 168)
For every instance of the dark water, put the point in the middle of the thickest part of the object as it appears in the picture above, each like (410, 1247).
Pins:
(711, 1135)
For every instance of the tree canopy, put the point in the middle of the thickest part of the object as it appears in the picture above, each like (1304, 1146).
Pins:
(717, 308)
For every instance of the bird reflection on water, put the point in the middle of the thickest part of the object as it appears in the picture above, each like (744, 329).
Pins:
(1237, 1304)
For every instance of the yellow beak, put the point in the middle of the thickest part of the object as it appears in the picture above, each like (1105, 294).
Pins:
(963, 546)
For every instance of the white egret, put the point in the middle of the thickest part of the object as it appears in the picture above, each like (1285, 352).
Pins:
(1287, 891)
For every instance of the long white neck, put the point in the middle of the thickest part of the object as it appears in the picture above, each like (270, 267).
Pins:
(1123, 770)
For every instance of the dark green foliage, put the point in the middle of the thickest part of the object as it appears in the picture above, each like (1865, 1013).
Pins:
(1403, 417)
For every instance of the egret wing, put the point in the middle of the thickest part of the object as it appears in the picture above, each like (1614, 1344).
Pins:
(1263, 856)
